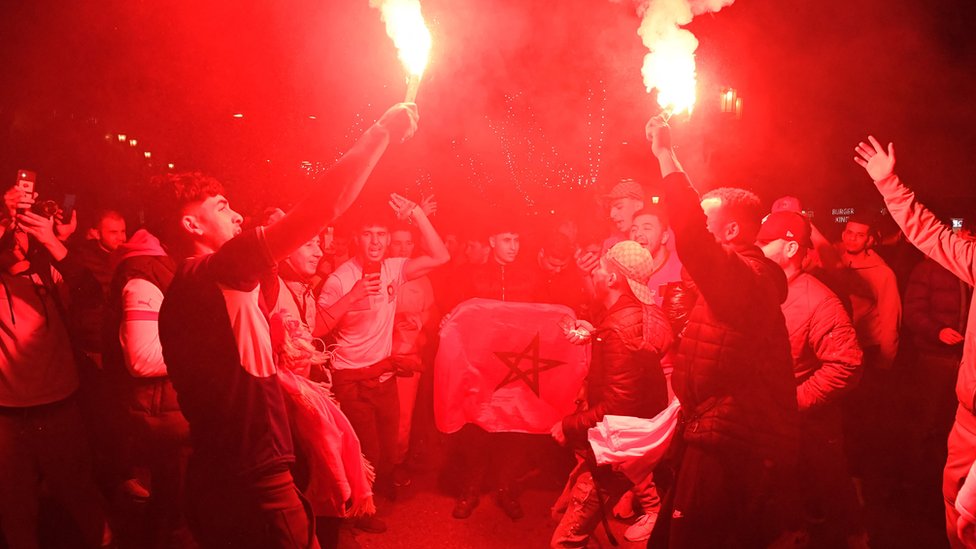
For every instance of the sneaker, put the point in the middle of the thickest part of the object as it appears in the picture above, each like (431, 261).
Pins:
(624, 509)
(370, 524)
(401, 476)
(464, 506)
(509, 504)
(641, 530)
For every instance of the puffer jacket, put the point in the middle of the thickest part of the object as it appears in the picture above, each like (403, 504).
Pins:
(937, 241)
(733, 371)
(826, 356)
(935, 299)
(625, 376)
(141, 257)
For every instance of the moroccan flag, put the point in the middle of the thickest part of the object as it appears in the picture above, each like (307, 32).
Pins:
(507, 367)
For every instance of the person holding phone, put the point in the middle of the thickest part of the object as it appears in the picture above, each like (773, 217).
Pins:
(358, 306)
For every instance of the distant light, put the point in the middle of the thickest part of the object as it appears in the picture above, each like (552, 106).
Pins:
(147, 154)
(238, 115)
(133, 142)
(171, 165)
(553, 212)
(108, 137)
(310, 117)
(655, 199)
(121, 138)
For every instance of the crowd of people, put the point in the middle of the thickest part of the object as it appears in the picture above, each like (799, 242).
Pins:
(263, 382)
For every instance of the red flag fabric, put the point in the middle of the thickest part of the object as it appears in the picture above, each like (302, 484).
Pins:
(506, 367)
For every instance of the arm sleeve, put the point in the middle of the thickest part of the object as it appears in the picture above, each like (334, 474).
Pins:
(243, 261)
(918, 304)
(889, 314)
(623, 371)
(966, 499)
(139, 330)
(926, 232)
(834, 342)
(724, 279)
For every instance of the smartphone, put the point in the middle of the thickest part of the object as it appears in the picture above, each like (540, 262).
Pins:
(371, 267)
(68, 207)
(25, 182)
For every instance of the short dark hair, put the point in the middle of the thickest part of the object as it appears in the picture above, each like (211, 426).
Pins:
(654, 210)
(169, 197)
(558, 246)
(741, 206)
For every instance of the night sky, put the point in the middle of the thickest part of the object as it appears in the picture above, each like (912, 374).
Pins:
(518, 99)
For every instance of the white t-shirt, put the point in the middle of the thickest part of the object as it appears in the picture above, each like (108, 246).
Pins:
(364, 336)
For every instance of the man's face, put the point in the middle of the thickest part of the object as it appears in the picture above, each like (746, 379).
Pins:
(622, 212)
(552, 264)
(214, 222)
(601, 279)
(648, 232)
(505, 247)
(373, 241)
(856, 237)
(401, 244)
(111, 233)
(305, 260)
(475, 251)
(776, 251)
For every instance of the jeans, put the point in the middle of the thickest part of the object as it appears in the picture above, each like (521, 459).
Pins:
(373, 409)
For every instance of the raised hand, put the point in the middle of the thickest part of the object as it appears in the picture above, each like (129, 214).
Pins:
(658, 133)
(402, 207)
(428, 205)
(38, 226)
(874, 159)
(63, 229)
(400, 121)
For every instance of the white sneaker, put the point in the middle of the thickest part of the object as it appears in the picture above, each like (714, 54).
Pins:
(641, 530)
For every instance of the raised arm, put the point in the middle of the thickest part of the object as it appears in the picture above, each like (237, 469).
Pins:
(437, 253)
(922, 228)
(338, 188)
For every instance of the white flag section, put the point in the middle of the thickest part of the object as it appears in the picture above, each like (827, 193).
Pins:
(634, 445)
(506, 367)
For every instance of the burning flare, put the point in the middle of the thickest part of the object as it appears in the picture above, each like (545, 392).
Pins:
(405, 25)
(669, 67)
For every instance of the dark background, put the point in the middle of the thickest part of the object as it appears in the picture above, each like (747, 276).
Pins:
(526, 105)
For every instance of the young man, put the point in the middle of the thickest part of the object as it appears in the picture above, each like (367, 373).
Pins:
(415, 311)
(874, 296)
(625, 199)
(364, 382)
(42, 436)
(651, 230)
(625, 379)
(939, 242)
(217, 347)
(827, 365)
(733, 372)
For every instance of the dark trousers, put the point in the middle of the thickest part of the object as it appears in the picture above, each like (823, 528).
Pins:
(264, 511)
(721, 498)
(824, 481)
(46, 444)
(373, 409)
(504, 456)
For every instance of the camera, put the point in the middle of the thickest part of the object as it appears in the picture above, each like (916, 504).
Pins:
(46, 208)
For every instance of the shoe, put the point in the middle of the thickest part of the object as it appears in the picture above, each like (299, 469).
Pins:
(401, 476)
(509, 504)
(624, 509)
(370, 524)
(641, 530)
(464, 506)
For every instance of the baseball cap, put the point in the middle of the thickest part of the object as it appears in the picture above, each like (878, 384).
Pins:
(785, 225)
(636, 264)
(627, 188)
